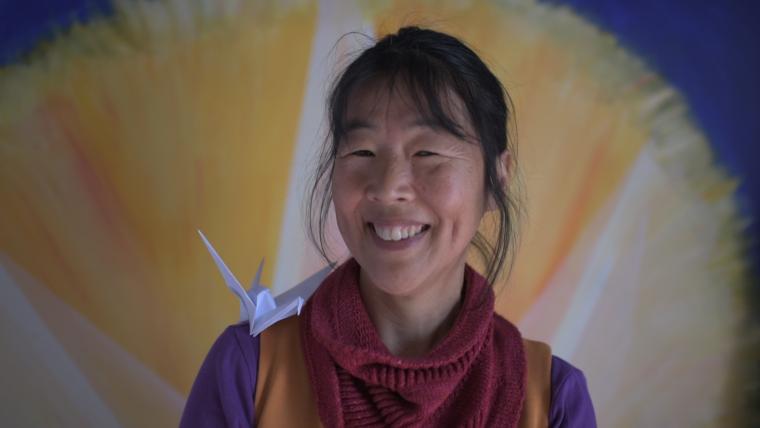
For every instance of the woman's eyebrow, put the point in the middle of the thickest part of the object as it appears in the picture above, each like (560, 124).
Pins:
(426, 122)
(357, 124)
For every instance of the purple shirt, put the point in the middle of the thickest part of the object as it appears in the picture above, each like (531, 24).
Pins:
(570, 403)
(225, 389)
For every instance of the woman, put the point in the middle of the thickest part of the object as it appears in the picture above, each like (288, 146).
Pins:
(404, 333)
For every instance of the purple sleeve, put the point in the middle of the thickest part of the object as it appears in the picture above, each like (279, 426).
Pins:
(224, 391)
(571, 405)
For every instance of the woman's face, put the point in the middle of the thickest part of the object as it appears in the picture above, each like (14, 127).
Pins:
(408, 196)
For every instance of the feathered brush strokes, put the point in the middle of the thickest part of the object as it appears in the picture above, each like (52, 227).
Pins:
(631, 255)
(117, 142)
(125, 135)
(633, 243)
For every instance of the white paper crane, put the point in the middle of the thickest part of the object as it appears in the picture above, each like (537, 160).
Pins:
(257, 306)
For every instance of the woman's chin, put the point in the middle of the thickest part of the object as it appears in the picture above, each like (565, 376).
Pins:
(392, 278)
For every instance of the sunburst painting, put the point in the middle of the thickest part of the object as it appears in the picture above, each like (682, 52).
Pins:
(128, 125)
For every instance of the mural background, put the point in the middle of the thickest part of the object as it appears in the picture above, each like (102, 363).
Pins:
(127, 125)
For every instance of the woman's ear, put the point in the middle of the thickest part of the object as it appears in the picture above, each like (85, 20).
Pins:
(503, 172)
(504, 168)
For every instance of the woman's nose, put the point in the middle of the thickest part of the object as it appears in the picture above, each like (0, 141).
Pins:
(391, 181)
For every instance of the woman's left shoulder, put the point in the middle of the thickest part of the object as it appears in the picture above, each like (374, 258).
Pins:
(553, 384)
(571, 404)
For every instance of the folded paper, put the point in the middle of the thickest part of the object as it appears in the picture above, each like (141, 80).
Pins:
(257, 305)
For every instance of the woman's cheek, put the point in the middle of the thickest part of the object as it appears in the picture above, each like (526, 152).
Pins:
(453, 189)
(441, 181)
(340, 189)
(351, 171)
(348, 185)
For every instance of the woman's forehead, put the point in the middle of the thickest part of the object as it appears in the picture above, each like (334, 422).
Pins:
(379, 102)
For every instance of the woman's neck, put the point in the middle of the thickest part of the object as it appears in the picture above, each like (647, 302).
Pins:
(410, 326)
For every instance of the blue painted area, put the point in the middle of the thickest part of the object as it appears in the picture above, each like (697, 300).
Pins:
(24, 23)
(708, 50)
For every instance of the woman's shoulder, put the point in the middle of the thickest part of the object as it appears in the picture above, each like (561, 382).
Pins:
(223, 391)
(566, 375)
(571, 404)
(554, 386)
(557, 386)
(235, 345)
(234, 357)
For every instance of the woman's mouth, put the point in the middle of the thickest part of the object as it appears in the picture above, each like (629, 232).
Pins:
(398, 233)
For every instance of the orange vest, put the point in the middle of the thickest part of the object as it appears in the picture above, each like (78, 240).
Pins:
(284, 396)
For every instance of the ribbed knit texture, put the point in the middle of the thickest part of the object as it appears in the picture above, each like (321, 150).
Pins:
(474, 377)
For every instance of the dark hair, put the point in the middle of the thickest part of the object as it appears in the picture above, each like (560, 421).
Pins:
(429, 64)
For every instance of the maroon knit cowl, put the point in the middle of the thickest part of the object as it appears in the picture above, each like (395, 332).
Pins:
(474, 377)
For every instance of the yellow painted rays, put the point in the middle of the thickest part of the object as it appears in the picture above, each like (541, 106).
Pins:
(117, 142)
(631, 253)
(122, 137)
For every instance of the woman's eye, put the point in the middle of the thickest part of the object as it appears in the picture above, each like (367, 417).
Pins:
(424, 153)
(362, 153)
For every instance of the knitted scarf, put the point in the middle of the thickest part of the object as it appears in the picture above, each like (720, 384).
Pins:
(474, 377)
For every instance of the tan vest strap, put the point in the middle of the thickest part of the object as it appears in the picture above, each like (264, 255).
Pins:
(535, 412)
(283, 392)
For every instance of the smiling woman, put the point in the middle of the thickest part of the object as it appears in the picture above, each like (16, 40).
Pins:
(404, 333)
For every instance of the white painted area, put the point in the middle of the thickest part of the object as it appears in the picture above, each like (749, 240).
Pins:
(65, 371)
(42, 384)
(602, 259)
(334, 19)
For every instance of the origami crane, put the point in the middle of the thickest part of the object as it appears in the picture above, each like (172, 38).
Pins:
(257, 306)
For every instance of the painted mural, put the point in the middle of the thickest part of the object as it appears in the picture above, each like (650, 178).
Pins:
(124, 134)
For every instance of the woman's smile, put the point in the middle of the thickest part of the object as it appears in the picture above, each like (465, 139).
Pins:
(397, 237)
(397, 233)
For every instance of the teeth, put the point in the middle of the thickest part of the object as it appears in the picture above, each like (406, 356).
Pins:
(397, 233)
